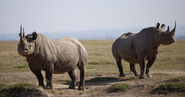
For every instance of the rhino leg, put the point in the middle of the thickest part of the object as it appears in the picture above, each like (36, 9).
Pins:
(40, 78)
(133, 69)
(38, 74)
(118, 61)
(49, 80)
(82, 77)
(72, 75)
(149, 65)
(142, 67)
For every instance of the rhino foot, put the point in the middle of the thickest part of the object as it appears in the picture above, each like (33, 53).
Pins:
(148, 75)
(81, 88)
(142, 77)
(48, 87)
(42, 85)
(136, 74)
(122, 75)
(72, 87)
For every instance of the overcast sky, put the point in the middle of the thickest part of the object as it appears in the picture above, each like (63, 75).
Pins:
(84, 15)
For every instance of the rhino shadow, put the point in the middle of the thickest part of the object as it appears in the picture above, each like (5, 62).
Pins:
(101, 80)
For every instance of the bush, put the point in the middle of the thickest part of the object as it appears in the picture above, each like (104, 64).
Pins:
(21, 90)
(169, 87)
(179, 79)
(118, 87)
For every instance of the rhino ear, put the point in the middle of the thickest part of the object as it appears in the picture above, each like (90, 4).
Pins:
(157, 25)
(34, 34)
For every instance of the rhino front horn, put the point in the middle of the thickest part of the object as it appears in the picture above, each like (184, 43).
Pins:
(174, 29)
(21, 34)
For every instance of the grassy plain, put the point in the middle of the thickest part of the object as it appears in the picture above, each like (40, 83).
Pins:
(101, 64)
(170, 57)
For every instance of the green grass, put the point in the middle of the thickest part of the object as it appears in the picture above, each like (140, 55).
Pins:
(118, 87)
(15, 89)
(169, 87)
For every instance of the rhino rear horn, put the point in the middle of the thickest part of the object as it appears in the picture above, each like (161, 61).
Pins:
(168, 30)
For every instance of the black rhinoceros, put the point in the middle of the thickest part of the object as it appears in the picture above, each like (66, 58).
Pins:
(141, 47)
(54, 57)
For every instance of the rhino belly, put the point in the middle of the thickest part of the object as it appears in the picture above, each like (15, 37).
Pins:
(62, 67)
(130, 60)
(63, 70)
(130, 57)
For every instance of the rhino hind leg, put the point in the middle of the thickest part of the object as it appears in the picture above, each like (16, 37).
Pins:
(82, 76)
(119, 64)
(72, 75)
(133, 69)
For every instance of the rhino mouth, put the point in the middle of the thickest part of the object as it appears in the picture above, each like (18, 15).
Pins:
(25, 53)
(169, 42)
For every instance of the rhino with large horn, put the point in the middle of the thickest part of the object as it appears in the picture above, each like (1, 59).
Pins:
(54, 57)
(141, 47)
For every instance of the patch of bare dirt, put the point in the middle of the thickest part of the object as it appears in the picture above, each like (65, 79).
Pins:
(98, 88)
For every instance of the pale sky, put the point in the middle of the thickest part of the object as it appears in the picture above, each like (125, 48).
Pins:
(84, 15)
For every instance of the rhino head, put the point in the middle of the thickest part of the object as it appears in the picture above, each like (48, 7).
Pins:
(165, 37)
(26, 44)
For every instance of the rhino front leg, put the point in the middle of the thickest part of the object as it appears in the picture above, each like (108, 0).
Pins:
(49, 80)
(133, 69)
(72, 75)
(118, 61)
(149, 65)
(40, 78)
(38, 74)
(142, 67)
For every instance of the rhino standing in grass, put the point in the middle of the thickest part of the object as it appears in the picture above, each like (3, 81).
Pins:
(54, 57)
(141, 47)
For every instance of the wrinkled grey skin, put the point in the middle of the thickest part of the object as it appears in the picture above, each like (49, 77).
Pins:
(141, 47)
(54, 57)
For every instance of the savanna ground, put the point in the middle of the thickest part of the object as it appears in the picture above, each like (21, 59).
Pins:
(101, 73)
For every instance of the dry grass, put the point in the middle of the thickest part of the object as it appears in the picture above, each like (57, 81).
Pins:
(101, 61)
(102, 71)
(10, 60)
